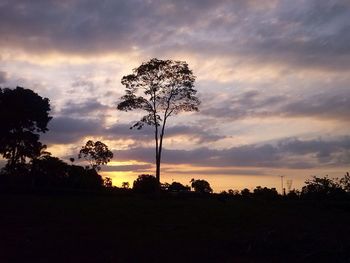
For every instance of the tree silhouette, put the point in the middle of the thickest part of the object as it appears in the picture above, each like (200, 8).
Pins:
(245, 193)
(201, 186)
(162, 88)
(23, 115)
(96, 153)
(265, 193)
(125, 185)
(107, 182)
(322, 188)
(345, 182)
(178, 187)
(145, 184)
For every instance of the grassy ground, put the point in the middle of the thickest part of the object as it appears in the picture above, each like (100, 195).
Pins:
(102, 228)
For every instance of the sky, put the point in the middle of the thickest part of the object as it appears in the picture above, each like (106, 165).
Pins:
(272, 76)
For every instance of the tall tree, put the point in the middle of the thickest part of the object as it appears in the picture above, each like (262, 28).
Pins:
(23, 115)
(161, 88)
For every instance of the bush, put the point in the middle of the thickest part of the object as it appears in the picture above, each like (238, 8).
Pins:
(145, 184)
(178, 187)
(322, 188)
(201, 186)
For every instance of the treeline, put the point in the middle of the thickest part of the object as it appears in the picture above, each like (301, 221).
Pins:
(50, 172)
(317, 188)
(24, 115)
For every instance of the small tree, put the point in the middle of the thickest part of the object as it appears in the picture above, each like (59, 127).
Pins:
(161, 88)
(107, 182)
(96, 153)
(125, 185)
(23, 115)
(345, 182)
(145, 184)
(201, 186)
(245, 193)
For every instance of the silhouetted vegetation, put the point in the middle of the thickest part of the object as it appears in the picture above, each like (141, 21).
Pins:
(96, 153)
(201, 186)
(23, 115)
(162, 88)
(125, 185)
(265, 193)
(320, 188)
(107, 182)
(178, 187)
(51, 172)
(145, 184)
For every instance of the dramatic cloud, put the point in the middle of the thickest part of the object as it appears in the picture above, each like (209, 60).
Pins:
(288, 153)
(69, 130)
(334, 105)
(127, 168)
(83, 109)
(65, 130)
(312, 33)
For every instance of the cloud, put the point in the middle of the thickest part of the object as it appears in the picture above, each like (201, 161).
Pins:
(3, 77)
(326, 105)
(65, 130)
(215, 171)
(127, 168)
(196, 133)
(288, 153)
(83, 108)
(299, 33)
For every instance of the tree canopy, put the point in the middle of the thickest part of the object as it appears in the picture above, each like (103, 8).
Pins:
(23, 115)
(161, 88)
(96, 153)
(201, 186)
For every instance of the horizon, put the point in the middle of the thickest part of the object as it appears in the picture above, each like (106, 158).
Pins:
(273, 79)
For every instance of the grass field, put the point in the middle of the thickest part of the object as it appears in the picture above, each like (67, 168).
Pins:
(127, 228)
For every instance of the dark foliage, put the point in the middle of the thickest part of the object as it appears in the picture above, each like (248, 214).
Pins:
(322, 188)
(178, 187)
(125, 185)
(245, 193)
(201, 186)
(96, 153)
(293, 195)
(82, 178)
(345, 182)
(23, 115)
(145, 184)
(51, 172)
(265, 193)
(107, 182)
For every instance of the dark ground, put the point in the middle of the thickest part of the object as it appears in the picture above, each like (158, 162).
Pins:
(122, 228)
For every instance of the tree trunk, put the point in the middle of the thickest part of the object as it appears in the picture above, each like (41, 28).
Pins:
(158, 169)
(157, 156)
(160, 152)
